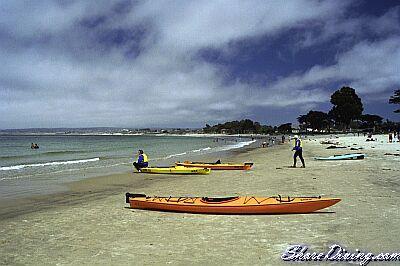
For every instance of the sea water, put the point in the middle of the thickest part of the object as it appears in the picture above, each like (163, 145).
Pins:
(64, 158)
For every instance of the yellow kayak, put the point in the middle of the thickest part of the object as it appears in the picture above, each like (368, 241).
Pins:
(180, 170)
(217, 166)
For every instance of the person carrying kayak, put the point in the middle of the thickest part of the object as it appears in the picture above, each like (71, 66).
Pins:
(298, 148)
(142, 161)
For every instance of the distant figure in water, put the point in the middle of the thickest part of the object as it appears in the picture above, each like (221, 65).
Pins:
(298, 148)
(283, 138)
(390, 137)
(142, 161)
(34, 146)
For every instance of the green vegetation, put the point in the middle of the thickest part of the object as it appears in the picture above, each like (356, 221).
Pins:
(395, 99)
(245, 126)
(347, 106)
(346, 114)
(370, 121)
(316, 120)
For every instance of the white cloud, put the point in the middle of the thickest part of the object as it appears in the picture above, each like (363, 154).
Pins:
(56, 72)
(369, 67)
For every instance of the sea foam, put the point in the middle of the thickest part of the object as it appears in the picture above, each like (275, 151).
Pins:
(21, 166)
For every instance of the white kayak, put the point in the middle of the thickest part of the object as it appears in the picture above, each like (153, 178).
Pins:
(351, 156)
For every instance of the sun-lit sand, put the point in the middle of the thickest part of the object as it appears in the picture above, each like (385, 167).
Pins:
(91, 224)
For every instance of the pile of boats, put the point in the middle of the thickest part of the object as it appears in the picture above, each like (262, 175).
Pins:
(225, 205)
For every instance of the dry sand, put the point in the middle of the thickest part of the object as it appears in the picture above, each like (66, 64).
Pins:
(91, 224)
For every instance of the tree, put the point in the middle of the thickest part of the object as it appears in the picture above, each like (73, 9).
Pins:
(285, 128)
(267, 129)
(316, 120)
(235, 127)
(347, 106)
(257, 127)
(370, 121)
(246, 126)
(389, 126)
(395, 99)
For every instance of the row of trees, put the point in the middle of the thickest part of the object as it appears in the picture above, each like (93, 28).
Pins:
(347, 112)
(247, 126)
(395, 99)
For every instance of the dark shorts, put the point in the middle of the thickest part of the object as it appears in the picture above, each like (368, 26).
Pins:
(140, 165)
(298, 153)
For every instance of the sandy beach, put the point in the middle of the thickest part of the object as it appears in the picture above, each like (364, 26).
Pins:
(91, 223)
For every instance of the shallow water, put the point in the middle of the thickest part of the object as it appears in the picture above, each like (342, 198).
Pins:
(67, 158)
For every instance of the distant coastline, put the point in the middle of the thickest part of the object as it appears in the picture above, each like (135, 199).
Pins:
(175, 132)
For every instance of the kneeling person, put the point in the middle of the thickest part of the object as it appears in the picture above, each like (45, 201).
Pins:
(142, 161)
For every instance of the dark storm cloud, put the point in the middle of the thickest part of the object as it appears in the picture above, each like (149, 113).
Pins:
(122, 63)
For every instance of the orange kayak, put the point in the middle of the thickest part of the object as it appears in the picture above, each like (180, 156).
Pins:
(230, 205)
(217, 166)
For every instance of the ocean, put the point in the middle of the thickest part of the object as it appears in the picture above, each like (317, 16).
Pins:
(65, 158)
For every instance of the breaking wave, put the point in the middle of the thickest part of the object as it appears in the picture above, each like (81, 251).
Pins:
(22, 166)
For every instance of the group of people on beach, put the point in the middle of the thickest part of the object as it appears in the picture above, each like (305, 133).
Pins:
(143, 160)
(392, 136)
(34, 146)
(273, 140)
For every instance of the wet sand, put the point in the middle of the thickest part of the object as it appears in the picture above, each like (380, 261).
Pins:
(91, 224)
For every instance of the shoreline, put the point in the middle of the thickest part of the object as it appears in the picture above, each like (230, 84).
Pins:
(95, 226)
(21, 183)
(75, 192)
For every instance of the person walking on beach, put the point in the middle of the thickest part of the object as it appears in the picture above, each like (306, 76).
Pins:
(298, 148)
(142, 161)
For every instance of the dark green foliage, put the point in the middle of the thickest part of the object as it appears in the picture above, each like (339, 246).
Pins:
(347, 106)
(389, 126)
(316, 120)
(285, 128)
(395, 99)
(370, 121)
(245, 126)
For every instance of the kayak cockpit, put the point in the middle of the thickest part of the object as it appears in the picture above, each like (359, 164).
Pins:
(218, 200)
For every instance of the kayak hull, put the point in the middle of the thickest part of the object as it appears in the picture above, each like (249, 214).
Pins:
(177, 170)
(354, 156)
(233, 205)
(216, 166)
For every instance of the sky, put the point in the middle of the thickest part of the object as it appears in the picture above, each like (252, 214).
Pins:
(187, 63)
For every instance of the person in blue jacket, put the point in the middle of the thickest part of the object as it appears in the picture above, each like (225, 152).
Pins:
(298, 148)
(142, 161)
